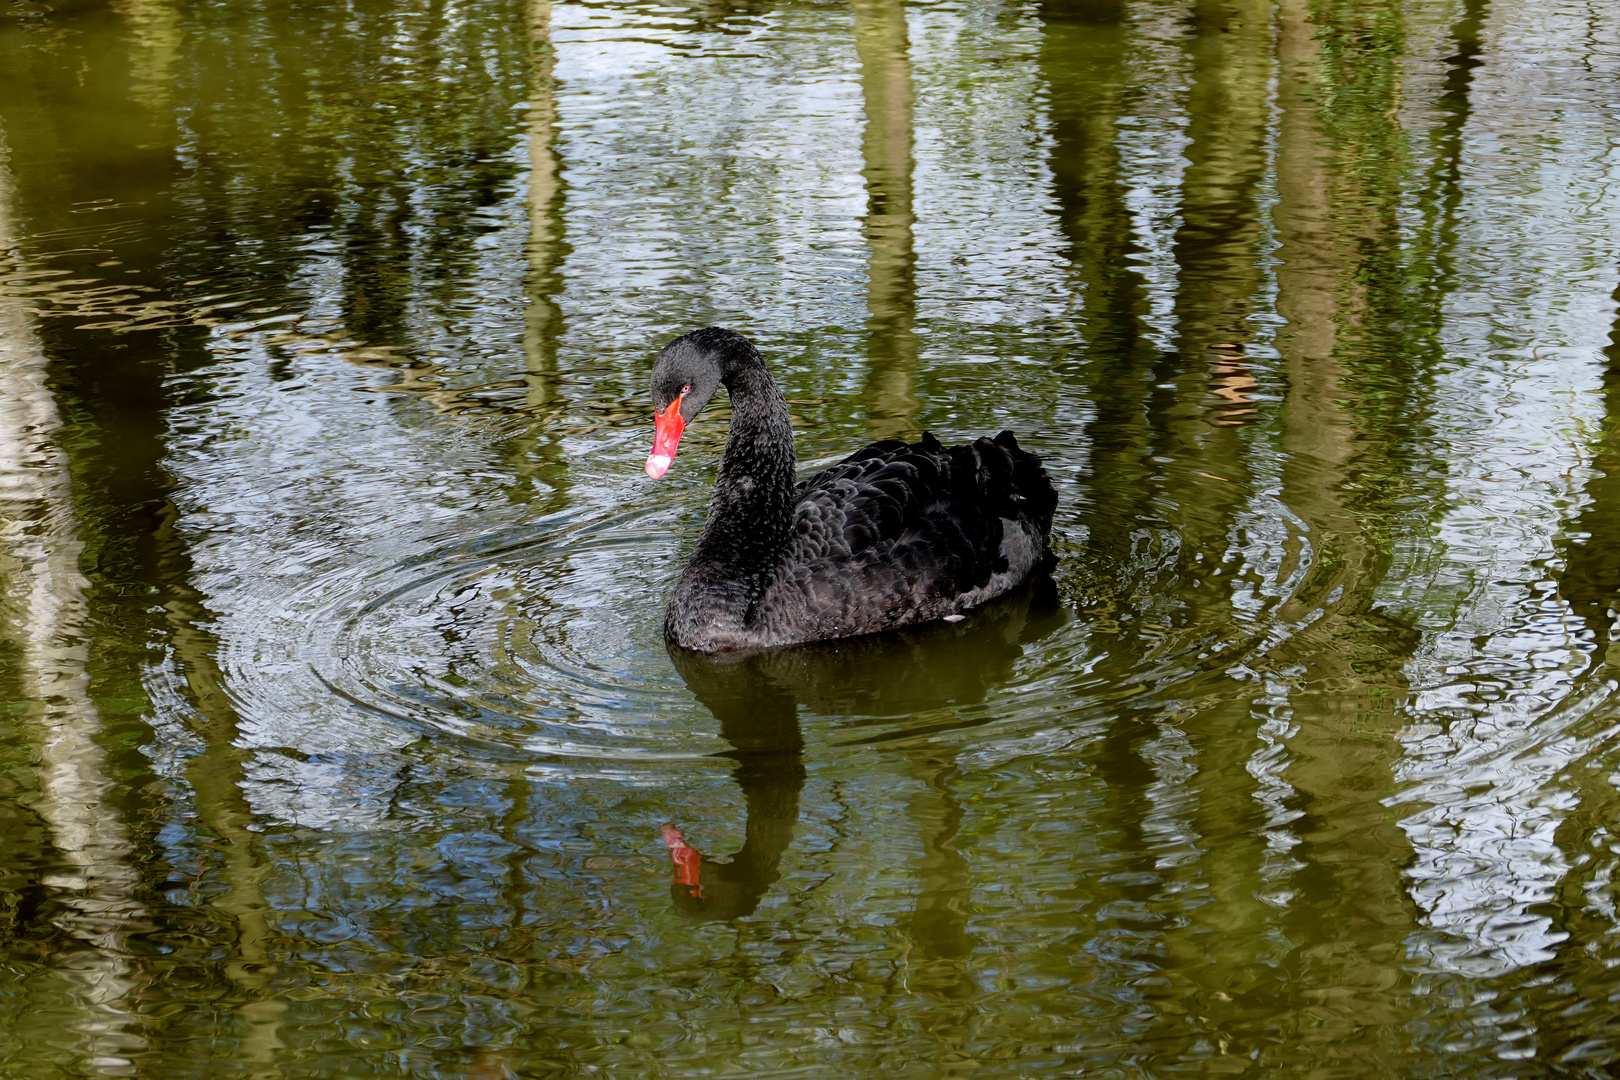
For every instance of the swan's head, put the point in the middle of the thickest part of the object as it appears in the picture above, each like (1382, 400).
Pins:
(687, 374)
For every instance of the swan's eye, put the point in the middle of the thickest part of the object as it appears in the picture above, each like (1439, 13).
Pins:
(687, 389)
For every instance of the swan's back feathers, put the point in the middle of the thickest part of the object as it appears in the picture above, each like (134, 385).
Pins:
(900, 533)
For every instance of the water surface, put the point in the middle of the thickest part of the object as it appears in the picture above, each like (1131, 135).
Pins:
(339, 736)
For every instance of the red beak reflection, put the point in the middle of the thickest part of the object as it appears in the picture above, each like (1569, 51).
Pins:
(687, 860)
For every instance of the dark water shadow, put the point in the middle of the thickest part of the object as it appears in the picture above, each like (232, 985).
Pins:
(756, 699)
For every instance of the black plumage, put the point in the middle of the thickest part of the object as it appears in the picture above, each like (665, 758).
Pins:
(894, 534)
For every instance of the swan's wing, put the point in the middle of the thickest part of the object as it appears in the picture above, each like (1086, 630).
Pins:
(900, 533)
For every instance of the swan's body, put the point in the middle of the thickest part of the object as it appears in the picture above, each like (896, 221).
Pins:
(892, 535)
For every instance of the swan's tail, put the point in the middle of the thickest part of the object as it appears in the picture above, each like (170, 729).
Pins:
(1019, 474)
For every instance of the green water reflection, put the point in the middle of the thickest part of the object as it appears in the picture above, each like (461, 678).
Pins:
(339, 738)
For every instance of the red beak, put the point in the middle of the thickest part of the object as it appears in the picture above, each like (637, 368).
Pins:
(667, 428)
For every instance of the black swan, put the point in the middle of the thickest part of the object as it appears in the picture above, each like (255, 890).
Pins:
(892, 535)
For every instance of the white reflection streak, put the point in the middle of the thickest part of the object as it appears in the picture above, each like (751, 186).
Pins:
(1489, 750)
(786, 150)
(1153, 140)
(46, 601)
(1491, 745)
(989, 247)
(1486, 850)
(1491, 740)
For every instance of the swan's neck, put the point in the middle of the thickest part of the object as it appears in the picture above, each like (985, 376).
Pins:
(751, 514)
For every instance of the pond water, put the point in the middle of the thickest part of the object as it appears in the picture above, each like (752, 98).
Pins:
(339, 737)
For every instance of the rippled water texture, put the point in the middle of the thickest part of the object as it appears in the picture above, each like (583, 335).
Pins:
(339, 738)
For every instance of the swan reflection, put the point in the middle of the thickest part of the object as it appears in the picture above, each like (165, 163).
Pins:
(756, 699)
